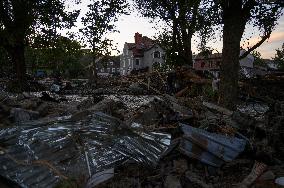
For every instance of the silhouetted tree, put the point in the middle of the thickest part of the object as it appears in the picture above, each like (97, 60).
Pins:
(21, 21)
(184, 18)
(99, 21)
(235, 15)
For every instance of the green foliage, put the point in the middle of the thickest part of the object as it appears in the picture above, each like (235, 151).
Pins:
(64, 57)
(32, 23)
(182, 19)
(257, 59)
(99, 21)
(27, 20)
(279, 58)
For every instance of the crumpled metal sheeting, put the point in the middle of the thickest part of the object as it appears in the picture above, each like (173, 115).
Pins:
(58, 148)
(143, 148)
(210, 148)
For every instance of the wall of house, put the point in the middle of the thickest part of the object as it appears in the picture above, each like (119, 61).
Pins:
(126, 61)
(149, 60)
(108, 67)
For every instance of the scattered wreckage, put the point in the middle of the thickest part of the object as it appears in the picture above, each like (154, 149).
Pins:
(130, 134)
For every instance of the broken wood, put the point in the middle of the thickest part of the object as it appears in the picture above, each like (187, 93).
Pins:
(182, 92)
(218, 108)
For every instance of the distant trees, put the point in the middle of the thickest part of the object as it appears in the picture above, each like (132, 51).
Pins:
(21, 21)
(279, 57)
(63, 56)
(99, 21)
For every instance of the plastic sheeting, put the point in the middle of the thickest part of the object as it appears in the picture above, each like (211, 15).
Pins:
(40, 153)
(210, 148)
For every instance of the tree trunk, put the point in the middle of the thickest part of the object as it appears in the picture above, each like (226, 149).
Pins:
(17, 54)
(186, 40)
(232, 34)
(93, 71)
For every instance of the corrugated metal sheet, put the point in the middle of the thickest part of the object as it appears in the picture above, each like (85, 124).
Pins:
(40, 153)
(210, 148)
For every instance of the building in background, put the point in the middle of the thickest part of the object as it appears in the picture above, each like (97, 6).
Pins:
(108, 66)
(142, 55)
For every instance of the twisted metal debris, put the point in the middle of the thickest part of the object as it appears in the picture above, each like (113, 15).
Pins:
(41, 153)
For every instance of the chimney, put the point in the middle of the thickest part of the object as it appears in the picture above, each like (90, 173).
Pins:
(138, 38)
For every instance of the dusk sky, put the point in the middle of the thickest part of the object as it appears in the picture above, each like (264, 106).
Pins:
(130, 24)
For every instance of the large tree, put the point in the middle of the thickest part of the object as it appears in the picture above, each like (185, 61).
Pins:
(235, 15)
(184, 18)
(21, 21)
(98, 22)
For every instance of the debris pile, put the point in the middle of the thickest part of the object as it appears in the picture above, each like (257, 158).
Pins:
(141, 131)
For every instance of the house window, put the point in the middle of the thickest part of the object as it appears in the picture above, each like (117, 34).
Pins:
(102, 70)
(157, 54)
(113, 69)
(123, 63)
(129, 63)
(108, 69)
(137, 62)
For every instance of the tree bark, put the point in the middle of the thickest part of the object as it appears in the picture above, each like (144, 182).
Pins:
(233, 29)
(17, 54)
(93, 71)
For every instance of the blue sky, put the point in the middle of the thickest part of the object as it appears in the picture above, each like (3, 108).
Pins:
(128, 25)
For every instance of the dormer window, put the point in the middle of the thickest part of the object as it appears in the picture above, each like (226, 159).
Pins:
(157, 54)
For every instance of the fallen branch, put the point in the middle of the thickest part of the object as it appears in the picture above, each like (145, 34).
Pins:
(218, 108)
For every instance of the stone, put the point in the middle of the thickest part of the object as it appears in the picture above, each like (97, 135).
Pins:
(172, 182)
(268, 175)
(21, 115)
(43, 109)
(135, 88)
(180, 166)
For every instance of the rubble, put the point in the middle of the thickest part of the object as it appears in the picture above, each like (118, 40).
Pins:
(135, 131)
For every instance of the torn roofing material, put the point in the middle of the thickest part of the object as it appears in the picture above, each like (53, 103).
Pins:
(210, 148)
(40, 154)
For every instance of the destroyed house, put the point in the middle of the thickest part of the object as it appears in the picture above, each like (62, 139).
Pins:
(144, 54)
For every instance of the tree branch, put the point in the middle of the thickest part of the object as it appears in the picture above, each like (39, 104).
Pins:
(4, 16)
(255, 46)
